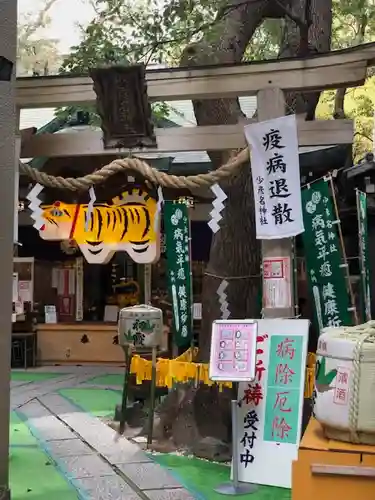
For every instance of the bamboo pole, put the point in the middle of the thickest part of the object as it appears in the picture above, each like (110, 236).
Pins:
(341, 237)
(151, 410)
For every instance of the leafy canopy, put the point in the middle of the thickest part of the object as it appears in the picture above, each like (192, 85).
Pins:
(157, 31)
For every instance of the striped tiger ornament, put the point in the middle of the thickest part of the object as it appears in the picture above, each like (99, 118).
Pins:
(130, 224)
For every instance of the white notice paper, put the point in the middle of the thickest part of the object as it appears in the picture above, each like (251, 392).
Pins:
(276, 177)
(15, 288)
(197, 310)
(50, 314)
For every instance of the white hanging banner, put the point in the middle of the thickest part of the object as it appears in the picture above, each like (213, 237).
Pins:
(16, 188)
(276, 177)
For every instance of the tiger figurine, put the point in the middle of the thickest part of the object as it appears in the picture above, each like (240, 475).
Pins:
(131, 224)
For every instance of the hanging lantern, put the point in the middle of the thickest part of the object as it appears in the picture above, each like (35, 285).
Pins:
(123, 106)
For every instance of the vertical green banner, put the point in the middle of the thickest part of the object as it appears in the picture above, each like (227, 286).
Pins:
(364, 261)
(324, 258)
(177, 242)
(285, 369)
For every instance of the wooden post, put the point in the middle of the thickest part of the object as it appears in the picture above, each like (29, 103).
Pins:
(8, 43)
(151, 410)
(271, 104)
(147, 285)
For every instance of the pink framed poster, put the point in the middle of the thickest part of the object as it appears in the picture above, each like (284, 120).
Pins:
(233, 350)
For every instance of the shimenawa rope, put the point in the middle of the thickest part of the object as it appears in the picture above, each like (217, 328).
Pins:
(141, 167)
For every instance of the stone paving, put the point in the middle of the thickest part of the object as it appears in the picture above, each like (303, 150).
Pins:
(85, 449)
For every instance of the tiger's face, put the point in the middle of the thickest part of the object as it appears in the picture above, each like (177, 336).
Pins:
(130, 224)
(58, 221)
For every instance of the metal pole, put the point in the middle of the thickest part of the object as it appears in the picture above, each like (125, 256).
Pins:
(125, 389)
(152, 399)
(8, 44)
(235, 487)
(235, 442)
(271, 104)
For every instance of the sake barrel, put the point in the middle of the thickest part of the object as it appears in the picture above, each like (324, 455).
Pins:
(344, 396)
(140, 326)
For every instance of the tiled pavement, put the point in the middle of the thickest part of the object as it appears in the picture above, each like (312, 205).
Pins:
(85, 449)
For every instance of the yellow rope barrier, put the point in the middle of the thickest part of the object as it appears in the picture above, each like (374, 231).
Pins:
(183, 369)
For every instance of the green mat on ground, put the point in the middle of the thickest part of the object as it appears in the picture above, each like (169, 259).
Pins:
(30, 376)
(98, 402)
(203, 477)
(19, 433)
(32, 475)
(109, 379)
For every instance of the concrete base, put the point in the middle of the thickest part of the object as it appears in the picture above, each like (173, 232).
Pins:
(234, 490)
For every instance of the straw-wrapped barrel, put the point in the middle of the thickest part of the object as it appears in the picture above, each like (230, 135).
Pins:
(344, 396)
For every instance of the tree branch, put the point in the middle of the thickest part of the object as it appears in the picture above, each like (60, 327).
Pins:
(221, 14)
(338, 109)
(297, 20)
(39, 21)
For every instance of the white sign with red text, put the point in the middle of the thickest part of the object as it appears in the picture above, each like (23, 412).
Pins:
(276, 282)
(270, 415)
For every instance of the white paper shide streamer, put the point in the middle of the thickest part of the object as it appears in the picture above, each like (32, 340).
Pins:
(90, 207)
(35, 201)
(225, 313)
(218, 207)
(158, 208)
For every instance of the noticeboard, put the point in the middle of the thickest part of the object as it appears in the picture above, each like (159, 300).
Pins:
(233, 350)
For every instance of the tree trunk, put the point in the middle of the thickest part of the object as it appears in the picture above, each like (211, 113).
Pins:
(318, 41)
(234, 251)
(189, 415)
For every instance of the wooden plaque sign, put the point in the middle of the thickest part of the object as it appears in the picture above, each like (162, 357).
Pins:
(123, 106)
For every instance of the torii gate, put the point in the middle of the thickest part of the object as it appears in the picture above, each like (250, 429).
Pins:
(345, 68)
(8, 44)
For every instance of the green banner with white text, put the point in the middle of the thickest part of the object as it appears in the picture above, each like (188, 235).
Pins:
(364, 261)
(324, 258)
(177, 242)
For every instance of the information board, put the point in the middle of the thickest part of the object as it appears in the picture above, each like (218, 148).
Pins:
(270, 414)
(233, 350)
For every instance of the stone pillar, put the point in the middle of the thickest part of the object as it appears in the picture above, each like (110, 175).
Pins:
(8, 43)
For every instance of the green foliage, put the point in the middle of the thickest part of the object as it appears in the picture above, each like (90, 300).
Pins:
(157, 31)
(354, 24)
(265, 42)
(359, 106)
(151, 31)
(148, 31)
